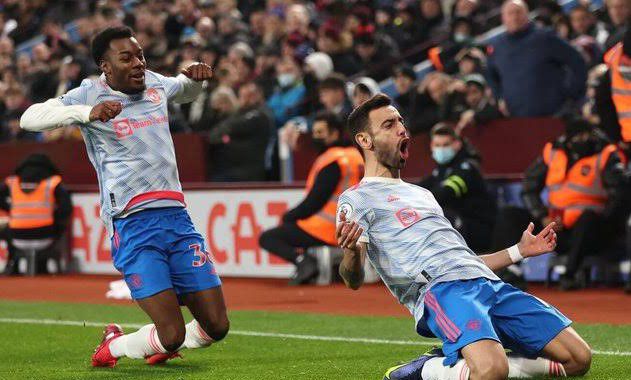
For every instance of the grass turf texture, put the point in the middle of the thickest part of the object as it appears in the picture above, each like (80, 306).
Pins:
(31, 351)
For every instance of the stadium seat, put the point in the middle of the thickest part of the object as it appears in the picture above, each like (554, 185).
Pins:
(28, 252)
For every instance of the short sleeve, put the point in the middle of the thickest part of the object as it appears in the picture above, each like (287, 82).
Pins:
(172, 86)
(354, 212)
(78, 95)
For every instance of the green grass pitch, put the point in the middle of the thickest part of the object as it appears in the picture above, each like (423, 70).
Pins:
(254, 350)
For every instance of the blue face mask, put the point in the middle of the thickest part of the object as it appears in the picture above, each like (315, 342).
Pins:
(443, 155)
(285, 80)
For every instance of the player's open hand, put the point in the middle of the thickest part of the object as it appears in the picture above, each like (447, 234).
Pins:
(545, 241)
(106, 110)
(348, 233)
(198, 71)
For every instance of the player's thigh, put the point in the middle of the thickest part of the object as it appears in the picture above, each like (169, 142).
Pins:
(457, 313)
(525, 323)
(486, 359)
(571, 350)
(136, 255)
(209, 309)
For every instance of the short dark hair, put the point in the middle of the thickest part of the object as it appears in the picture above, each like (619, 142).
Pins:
(101, 42)
(334, 81)
(358, 119)
(333, 122)
(443, 129)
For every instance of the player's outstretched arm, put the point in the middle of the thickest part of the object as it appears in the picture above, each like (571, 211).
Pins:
(352, 265)
(53, 114)
(191, 80)
(529, 246)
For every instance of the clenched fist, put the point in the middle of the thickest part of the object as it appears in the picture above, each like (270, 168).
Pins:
(106, 110)
(198, 71)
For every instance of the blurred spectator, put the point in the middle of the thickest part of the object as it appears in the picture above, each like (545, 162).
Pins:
(404, 83)
(618, 12)
(265, 70)
(470, 61)
(584, 23)
(458, 186)
(432, 21)
(238, 142)
(56, 39)
(588, 34)
(337, 44)
(562, 26)
(374, 53)
(317, 67)
(444, 56)
(584, 177)
(533, 71)
(312, 222)
(71, 74)
(405, 29)
(479, 106)
(223, 103)
(361, 90)
(36, 182)
(297, 20)
(430, 100)
(332, 94)
(287, 99)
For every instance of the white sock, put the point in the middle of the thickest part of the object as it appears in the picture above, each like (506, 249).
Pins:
(196, 337)
(520, 367)
(137, 345)
(433, 369)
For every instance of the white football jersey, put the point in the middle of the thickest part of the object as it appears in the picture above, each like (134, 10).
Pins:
(410, 242)
(133, 153)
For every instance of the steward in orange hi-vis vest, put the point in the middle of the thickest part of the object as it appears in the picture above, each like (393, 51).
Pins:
(577, 188)
(620, 72)
(38, 205)
(311, 223)
(33, 209)
(322, 224)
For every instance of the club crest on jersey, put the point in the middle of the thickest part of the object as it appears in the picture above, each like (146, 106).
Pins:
(153, 95)
(346, 209)
(408, 216)
(122, 128)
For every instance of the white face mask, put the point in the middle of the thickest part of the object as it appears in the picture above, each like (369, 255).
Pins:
(459, 37)
(285, 80)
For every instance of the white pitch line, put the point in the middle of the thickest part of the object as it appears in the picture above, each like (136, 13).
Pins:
(266, 334)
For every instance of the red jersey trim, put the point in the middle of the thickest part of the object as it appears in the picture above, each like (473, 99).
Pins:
(154, 195)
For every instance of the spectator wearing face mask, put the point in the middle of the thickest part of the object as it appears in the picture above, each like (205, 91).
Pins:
(458, 186)
(443, 56)
(289, 95)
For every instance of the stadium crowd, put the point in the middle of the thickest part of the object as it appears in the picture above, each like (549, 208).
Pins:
(278, 63)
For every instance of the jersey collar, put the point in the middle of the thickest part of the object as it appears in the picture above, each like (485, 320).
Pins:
(382, 180)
